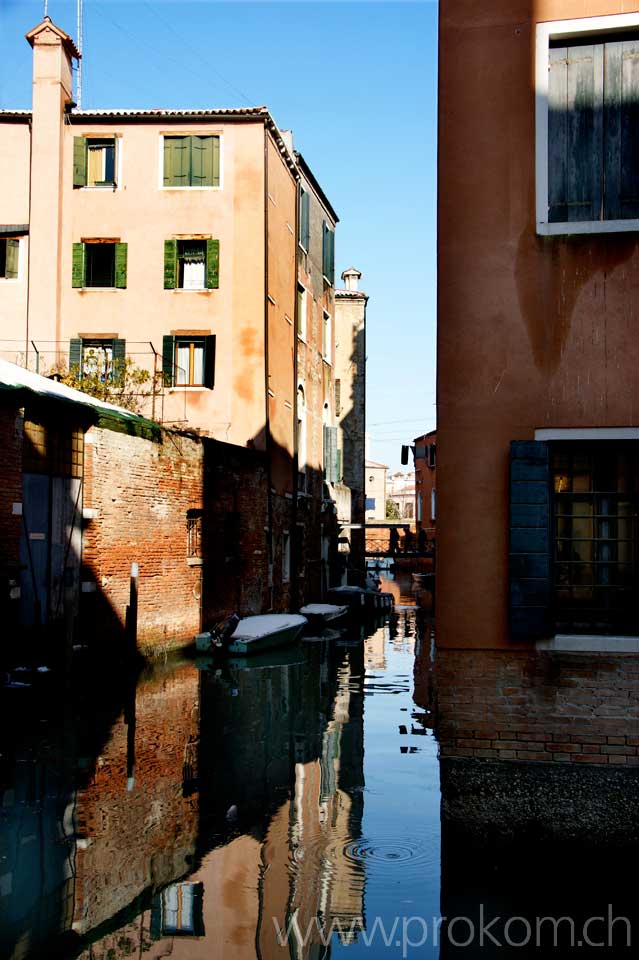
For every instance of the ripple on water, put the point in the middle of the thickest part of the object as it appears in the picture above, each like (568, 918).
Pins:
(375, 857)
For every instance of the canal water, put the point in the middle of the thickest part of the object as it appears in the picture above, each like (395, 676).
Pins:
(298, 806)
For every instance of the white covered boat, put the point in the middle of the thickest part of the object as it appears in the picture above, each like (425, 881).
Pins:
(323, 613)
(265, 632)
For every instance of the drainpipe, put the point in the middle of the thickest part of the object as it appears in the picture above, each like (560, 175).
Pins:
(295, 466)
(26, 336)
(267, 416)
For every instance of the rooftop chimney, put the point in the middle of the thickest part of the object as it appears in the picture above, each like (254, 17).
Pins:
(351, 278)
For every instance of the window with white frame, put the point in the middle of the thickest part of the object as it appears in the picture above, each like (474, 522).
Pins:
(587, 151)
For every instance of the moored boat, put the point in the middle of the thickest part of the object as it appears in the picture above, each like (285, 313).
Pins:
(318, 614)
(255, 634)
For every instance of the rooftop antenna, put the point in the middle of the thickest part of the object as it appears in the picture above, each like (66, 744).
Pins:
(78, 92)
(46, 9)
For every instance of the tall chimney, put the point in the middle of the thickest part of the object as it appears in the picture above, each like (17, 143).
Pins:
(53, 54)
(351, 278)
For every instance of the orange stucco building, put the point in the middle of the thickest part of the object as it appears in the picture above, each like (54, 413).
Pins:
(537, 348)
(176, 242)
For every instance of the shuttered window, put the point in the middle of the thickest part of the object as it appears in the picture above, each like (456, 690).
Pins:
(331, 467)
(593, 129)
(304, 220)
(328, 253)
(191, 264)
(103, 359)
(191, 161)
(188, 361)
(9, 253)
(94, 161)
(99, 265)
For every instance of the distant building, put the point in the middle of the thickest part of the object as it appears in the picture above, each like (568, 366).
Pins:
(375, 490)
(425, 482)
(400, 491)
(350, 404)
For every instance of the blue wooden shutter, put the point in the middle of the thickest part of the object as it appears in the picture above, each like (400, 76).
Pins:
(530, 570)
(209, 361)
(621, 124)
(168, 360)
(304, 228)
(575, 133)
(325, 249)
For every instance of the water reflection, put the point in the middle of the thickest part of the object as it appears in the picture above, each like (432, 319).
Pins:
(200, 811)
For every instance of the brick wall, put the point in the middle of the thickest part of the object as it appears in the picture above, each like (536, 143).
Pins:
(140, 492)
(544, 707)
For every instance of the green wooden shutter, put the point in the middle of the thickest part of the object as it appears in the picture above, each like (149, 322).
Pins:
(201, 161)
(11, 264)
(330, 454)
(621, 125)
(304, 226)
(530, 571)
(168, 360)
(331, 262)
(325, 252)
(339, 465)
(120, 265)
(75, 356)
(575, 133)
(212, 264)
(79, 162)
(216, 161)
(177, 161)
(78, 268)
(119, 359)
(209, 361)
(170, 264)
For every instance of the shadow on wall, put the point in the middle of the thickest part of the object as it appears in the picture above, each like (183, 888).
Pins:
(353, 427)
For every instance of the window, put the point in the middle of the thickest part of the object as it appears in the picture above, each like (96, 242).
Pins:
(188, 360)
(432, 455)
(595, 538)
(191, 161)
(327, 336)
(587, 113)
(191, 264)
(328, 254)
(9, 256)
(301, 311)
(331, 466)
(286, 557)
(99, 264)
(102, 358)
(304, 220)
(433, 504)
(194, 520)
(574, 537)
(177, 911)
(94, 161)
(301, 437)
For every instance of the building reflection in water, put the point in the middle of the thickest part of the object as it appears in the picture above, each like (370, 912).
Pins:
(540, 797)
(215, 804)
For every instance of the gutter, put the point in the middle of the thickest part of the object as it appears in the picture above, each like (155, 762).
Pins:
(267, 412)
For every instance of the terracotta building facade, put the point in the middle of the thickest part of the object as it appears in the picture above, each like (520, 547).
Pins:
(538, 267)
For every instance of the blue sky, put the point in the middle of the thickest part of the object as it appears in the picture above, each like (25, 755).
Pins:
(357, 84)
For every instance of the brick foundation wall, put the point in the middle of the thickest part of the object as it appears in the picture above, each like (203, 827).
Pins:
(542, 707)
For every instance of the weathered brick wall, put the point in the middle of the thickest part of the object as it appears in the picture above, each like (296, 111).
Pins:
(10, 523)
(553, 707)
(115, 859)
(140, 491)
